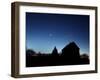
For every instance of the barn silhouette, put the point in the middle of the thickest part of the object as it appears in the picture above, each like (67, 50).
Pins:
(71, 53)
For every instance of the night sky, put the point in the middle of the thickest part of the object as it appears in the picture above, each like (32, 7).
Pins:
(45, 31)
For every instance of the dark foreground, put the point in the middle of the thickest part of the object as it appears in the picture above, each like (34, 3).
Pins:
(48, 60)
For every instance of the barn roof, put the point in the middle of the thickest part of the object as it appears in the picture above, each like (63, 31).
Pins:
(71, 45)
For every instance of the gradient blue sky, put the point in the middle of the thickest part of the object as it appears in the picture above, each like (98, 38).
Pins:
(45, 31)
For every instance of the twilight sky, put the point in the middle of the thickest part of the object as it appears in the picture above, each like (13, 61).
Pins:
(45, 31)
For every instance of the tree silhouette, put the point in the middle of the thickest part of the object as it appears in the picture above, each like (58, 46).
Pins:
(55, 51)
(84, 58)
(84, 55)
(30, 52)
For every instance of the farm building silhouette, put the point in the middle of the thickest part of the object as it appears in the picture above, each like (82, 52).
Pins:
(70, 55)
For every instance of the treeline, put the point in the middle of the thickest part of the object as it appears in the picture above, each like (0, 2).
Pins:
(69, 56)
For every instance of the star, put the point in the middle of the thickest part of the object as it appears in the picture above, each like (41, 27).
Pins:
(50, 35)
